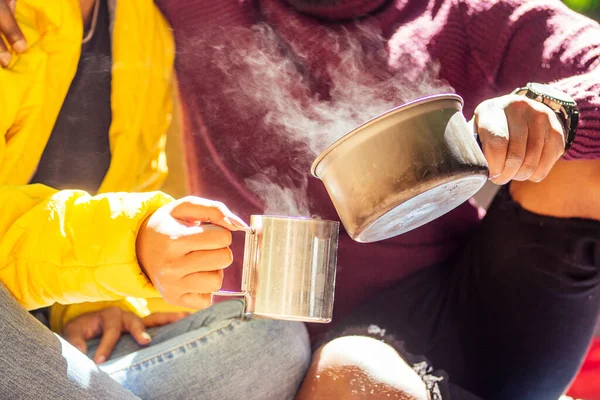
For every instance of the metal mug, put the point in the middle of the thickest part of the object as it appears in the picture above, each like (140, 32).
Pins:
(289, 268)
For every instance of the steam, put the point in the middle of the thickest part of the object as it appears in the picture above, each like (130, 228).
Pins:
(280, 200)
(359, 85)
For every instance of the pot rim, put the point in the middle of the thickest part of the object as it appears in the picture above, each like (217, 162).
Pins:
(395, 110)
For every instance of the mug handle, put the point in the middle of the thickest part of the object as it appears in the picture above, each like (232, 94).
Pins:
(248, 253)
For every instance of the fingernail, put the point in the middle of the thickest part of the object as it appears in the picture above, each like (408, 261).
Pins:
(100, 359)
(5, 59)
(239, 223)
(19, 46)
(496, 176)
(537, 178)
(146, 336)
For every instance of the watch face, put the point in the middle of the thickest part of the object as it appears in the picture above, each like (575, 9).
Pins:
(549, 91)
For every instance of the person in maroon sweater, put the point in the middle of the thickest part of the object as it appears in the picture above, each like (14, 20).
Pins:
(506, 305)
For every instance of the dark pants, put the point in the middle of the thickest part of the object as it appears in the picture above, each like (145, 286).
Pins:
(512, 316)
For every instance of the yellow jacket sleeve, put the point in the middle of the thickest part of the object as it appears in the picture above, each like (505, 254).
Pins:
(70, 247)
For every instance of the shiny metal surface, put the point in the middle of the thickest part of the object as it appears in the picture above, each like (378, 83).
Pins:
(403, 168)
(289, 268)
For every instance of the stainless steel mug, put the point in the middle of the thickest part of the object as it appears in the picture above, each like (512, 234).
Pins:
(289, 268)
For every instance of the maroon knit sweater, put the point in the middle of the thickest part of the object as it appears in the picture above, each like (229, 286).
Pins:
(251, 97)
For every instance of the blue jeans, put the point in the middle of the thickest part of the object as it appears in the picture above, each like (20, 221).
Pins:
(212, 354)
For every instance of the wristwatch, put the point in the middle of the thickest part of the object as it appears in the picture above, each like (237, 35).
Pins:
(561, 103)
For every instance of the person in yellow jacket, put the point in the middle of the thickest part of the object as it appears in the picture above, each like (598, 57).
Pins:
(85, 103)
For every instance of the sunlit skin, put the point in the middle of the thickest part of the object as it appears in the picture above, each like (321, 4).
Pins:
(359, 367)
(571, 190)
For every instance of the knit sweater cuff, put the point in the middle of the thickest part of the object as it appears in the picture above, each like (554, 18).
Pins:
(585, 89)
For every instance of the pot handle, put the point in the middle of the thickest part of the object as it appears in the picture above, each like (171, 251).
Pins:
(249, 252)
(471, 124)
(478, 140)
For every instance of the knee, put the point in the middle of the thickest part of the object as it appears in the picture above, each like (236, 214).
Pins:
(285, 346)
(291, 341)
(357, 367)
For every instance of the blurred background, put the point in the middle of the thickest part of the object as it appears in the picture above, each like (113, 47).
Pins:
(591, 8)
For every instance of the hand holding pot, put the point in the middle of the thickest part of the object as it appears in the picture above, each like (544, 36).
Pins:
(183, 248)
(521, 139)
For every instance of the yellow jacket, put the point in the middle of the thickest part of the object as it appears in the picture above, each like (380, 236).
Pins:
(67, 246)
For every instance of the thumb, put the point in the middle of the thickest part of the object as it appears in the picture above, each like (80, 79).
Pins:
(492, 127)
(164, 318)
(203, 210)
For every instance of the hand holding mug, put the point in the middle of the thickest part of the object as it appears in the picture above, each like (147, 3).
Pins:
(183, 248)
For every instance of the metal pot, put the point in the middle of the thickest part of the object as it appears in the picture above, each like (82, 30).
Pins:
(289, 268)
(403, 168)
